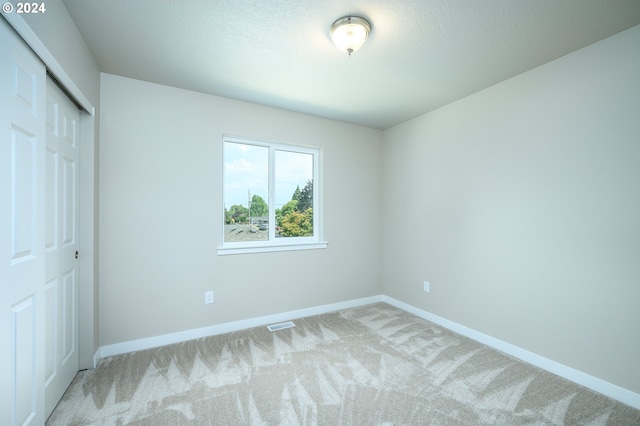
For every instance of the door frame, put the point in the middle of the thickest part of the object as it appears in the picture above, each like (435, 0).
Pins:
(88, 331)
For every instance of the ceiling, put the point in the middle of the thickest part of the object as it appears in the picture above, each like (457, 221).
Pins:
(421, 54)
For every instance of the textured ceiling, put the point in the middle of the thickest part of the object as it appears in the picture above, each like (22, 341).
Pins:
(421, 54)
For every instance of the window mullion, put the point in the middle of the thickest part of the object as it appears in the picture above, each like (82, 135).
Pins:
(315, 197)
(272, 198)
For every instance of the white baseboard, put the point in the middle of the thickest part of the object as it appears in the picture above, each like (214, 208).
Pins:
(613, 391)
(97, 356)
(183, 336)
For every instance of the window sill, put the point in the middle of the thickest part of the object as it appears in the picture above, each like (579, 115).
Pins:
(270, 247)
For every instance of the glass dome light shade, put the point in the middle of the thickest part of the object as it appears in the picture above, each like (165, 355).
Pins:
(350, 33)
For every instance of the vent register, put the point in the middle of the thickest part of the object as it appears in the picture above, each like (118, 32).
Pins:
(281, 326)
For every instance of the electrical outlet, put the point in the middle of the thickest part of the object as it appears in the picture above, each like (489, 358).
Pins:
(208, 297)
(427, 287)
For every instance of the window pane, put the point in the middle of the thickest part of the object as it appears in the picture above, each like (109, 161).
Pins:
(246, 189)
(293, 194)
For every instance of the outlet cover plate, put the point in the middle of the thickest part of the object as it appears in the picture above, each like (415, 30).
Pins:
(208, 297)
(427, 287)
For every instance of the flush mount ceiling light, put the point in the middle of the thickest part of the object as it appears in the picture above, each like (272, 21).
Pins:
(349, 33)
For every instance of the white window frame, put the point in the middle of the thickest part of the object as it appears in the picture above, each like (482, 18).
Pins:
(284, 243)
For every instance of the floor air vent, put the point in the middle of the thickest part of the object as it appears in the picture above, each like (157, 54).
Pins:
(282, 325)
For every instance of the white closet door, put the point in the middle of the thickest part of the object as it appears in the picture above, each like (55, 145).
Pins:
(22, 224)
(61, 245)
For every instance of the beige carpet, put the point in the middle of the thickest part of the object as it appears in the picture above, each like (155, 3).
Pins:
(371, 365)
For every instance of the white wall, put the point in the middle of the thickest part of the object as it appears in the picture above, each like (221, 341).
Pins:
(521, 205)
(161, 213)
(56, 40)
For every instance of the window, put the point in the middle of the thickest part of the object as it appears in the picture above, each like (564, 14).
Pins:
(271, 197)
